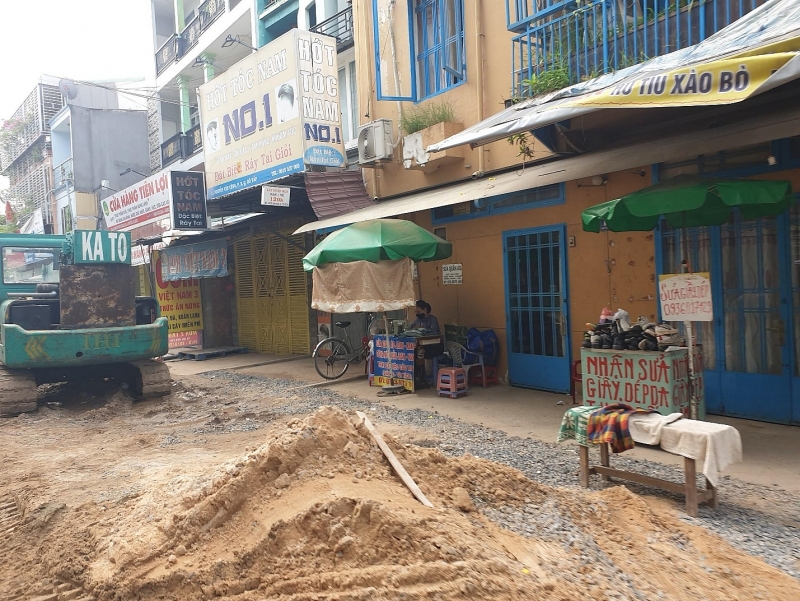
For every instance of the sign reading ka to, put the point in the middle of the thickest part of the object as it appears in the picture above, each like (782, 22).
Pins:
(101, 246)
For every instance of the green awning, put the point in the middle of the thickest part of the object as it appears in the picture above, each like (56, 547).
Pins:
(688, 201)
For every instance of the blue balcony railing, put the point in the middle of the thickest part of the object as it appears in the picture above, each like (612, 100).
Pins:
(521, 12)
(602, 36)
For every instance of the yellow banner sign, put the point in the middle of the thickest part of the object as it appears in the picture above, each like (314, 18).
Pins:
(272, 113)
(719, 82)
(180, 302)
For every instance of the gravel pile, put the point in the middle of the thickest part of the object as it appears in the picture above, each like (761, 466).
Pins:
(765, 535)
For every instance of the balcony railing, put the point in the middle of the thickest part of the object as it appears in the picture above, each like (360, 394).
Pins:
(190, 35)
(339, 26)
(62, 174)
(181, 146)
(168, 53)
(178, 45)
(172, 150)
(519, 13)
(602, 36)
(209, 11)
(193, 142)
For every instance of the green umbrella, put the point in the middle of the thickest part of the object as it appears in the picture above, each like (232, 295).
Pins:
(378, 240)
(688, 201)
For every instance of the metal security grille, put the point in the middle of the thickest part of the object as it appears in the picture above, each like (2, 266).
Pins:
(272, 294)
(244, 293)
(754, 330)
(534, 294)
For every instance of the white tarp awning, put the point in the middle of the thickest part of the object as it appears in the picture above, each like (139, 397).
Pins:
(361, 286)
(765, 43)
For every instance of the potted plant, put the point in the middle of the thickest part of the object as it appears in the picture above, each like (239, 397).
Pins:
(425, 125)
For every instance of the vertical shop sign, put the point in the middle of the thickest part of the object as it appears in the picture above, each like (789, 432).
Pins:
(180, 302)
(189, 201)
(402, 362)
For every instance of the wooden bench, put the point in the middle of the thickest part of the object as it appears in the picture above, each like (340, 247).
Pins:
(688, 488)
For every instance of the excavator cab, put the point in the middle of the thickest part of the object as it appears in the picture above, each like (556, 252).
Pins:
(68, 309)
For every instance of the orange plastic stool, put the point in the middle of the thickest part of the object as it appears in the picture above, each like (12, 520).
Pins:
(476, 377)
(452, 382)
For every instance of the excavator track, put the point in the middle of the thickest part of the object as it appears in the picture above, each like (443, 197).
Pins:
(153, 378)
(17, 392)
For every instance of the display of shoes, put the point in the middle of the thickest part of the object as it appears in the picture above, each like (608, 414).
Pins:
(616, 332)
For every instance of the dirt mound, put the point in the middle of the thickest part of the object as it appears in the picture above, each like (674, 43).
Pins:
(316, 513)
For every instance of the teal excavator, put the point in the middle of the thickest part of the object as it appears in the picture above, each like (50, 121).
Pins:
(69, 310)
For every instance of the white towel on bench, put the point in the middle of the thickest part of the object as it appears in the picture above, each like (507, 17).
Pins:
(645, 428)
(714, 446)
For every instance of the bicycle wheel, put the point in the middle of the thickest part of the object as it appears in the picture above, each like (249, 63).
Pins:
(332, 358)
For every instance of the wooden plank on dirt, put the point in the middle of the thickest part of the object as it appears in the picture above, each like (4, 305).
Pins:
(398, 467)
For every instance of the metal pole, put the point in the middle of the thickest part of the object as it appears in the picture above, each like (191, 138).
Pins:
(688, 326)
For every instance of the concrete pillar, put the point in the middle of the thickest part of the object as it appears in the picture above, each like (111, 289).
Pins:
(183, 90)
(208, 66)
(180, 16)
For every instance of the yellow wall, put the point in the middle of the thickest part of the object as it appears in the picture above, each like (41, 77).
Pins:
(392, 178)
(627, 281)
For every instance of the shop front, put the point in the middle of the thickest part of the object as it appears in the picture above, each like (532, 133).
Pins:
(752, 348)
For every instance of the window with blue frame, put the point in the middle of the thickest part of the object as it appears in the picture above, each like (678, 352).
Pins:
(439, 41)
(525, 199)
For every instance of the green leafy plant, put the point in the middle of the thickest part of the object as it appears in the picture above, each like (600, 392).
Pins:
(522, 142)
(552, 79)
(420, 117)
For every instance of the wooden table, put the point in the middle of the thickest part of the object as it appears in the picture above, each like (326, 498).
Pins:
(688, 488)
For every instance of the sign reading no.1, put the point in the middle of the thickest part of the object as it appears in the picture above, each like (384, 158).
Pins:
(685, 297)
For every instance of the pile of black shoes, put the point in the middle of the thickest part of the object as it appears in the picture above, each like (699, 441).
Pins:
(620, 335)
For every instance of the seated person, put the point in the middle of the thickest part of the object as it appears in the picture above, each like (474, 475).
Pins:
(424, 320)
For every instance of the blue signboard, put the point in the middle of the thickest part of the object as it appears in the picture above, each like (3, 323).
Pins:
(402, 361)
(201, 260)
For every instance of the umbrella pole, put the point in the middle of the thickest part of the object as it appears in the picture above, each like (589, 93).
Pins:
(688, 326)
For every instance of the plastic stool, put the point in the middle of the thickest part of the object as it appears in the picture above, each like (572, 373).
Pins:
(476, 377)
(452, 382)
(575, 376)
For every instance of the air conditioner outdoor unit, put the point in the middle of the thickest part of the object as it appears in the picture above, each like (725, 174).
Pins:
(375, 142)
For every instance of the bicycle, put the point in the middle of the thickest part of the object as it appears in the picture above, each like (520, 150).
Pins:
(334, 355)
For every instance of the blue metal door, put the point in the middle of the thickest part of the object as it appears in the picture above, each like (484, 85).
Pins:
(536, 308)
(751, 362)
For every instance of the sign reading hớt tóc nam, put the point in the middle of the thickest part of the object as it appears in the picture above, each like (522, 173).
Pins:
(157, 200)
(452, 274)
(685, 297)
(188, 201)
(272, 113)
(275, 196)
(101, 246)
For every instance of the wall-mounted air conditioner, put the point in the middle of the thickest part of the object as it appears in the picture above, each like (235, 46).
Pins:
(375, 142)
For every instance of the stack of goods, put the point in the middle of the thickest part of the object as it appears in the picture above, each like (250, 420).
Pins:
(615, 331)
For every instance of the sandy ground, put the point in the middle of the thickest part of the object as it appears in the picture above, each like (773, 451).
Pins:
(190, 498)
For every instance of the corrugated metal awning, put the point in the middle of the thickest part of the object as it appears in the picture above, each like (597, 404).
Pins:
(772, 125)
(333, 193)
